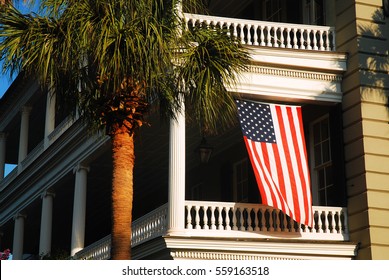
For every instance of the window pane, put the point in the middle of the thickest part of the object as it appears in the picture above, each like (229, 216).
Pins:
(326, 151)
(316, 133)
(329, 179)
(321, 179)
(318, 159)
(324, 129)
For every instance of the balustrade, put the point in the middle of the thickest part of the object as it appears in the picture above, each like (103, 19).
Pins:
(149, 226)
(270, 34)
(228, 219)
(329, 222)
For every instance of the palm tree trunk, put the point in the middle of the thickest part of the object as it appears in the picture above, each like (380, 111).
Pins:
(122, 194)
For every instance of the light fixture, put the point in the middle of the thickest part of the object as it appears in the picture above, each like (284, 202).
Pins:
(385, 7)
(204, 150)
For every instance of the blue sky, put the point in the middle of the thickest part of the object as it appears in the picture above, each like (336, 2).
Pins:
(5, 80)
(4, 84)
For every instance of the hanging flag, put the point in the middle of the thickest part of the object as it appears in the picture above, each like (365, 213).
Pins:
(275, 142)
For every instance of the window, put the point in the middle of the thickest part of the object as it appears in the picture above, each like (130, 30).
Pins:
(314, 12)
(241, 181)
(321, 161)
(273, 10)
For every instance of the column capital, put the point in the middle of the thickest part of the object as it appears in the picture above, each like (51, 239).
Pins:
(19, 215)
(47, 193)
(26, 109)
(80, 167)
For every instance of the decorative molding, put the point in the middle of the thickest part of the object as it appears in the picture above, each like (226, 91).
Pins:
(287, 248)
(228, 256)
(294, 73)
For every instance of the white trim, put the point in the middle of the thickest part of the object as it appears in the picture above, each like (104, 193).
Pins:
(284, 250)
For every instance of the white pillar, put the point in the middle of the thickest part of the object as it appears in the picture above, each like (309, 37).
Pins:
(3, 138)
(46, 223)
(17, 249)
(79, 209)
(23, 140)
(176, 204)
(50, 116)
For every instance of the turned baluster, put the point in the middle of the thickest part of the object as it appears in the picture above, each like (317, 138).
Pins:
(288, 44)
(302, 43)
(275, 29)
(213, 220)
(197, 217)
(256, 35)
(282, 38)
(205, 218)
(321, 42)
(248, 26)
(228, 226)
(269, 44)
(262, 36)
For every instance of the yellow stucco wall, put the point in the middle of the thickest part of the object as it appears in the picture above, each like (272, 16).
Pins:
(363, 32)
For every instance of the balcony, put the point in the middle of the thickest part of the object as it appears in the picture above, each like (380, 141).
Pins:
(218, 220)
(269, 34)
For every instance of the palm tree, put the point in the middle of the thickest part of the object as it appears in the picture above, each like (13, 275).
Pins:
(113, 59)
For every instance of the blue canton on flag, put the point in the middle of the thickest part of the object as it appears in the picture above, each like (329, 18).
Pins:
(256, 121)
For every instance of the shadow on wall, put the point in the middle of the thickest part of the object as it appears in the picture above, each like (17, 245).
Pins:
(373, 41)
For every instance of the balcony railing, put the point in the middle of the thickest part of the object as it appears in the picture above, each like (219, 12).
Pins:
(204, 218)
(228, 219)
(269, 34)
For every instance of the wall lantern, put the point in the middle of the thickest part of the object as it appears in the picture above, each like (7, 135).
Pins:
(204, 150)
(385, 7)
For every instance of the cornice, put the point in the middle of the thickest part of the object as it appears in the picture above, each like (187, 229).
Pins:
(242, 249)
(300, 74)
(292, 249)
(330, 62)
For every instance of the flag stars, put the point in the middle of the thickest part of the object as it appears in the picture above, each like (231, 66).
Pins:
(256, 121)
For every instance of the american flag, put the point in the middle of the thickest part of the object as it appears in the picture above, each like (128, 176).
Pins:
(275, 142)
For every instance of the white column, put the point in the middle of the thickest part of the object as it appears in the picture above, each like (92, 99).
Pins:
(46, 223)
(17, 249)
(79, 209)
(176, 208)
(3, 138)
(23, 140)
(50, 116)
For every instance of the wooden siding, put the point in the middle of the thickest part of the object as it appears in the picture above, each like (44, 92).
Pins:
(362, 32)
